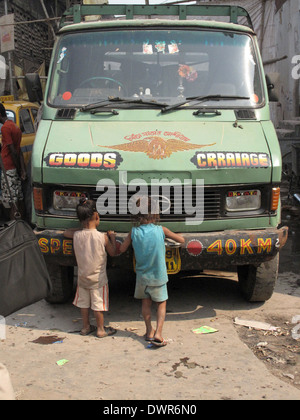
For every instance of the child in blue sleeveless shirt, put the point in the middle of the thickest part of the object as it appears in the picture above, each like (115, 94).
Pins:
(148, 241)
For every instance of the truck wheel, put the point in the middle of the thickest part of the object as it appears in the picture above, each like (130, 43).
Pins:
(62, 283)
(257, 283)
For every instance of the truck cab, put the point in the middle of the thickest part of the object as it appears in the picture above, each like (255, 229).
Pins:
(173, 108)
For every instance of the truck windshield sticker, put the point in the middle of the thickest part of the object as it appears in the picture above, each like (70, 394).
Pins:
(147, 48)
(67, 96)
(62, 55)
(156, 146)
(204, 160)
(107, 160)
(173, 47)
(160, 46)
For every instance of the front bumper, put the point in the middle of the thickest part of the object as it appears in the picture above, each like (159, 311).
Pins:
(213, 250)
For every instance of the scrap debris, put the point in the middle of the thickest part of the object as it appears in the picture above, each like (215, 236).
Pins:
(256, 325)
(62, 362)
(204, 330)
(274, 345)
(296, 329)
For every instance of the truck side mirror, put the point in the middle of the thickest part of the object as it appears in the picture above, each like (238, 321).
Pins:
(272, 80)
(34, 87)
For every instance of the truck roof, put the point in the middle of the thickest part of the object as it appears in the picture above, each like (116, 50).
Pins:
(124, 15)
(154, 22)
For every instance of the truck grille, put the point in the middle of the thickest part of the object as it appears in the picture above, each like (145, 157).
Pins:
(212, 204)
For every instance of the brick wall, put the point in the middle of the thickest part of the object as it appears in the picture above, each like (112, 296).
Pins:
(33, 42)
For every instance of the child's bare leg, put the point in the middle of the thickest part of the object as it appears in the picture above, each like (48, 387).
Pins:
(100, 323)
(160, 317)
(85, 320)
(146, 312)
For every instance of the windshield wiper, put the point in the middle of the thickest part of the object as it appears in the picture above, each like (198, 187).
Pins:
(200, 99)
(116, 99)
(139, 101)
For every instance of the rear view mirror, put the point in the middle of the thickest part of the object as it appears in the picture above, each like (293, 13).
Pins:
(273, 83)
(34, 87)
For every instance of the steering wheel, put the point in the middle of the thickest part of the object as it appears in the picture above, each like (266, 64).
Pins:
(91, 81)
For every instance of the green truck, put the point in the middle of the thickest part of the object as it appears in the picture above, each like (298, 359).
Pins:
(157, 100)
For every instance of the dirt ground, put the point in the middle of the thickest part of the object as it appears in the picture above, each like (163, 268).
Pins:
(279, 351)
(227, 364)
(234, 363)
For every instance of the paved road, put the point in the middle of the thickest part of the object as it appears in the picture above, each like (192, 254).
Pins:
(190, 367)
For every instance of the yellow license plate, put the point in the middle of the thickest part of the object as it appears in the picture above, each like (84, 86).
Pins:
(173, 260)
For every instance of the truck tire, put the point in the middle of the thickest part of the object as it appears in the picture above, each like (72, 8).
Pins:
(62, 283)
(257, 283)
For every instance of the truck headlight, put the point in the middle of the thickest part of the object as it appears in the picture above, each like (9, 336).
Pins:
(66, 200)
(247, 200)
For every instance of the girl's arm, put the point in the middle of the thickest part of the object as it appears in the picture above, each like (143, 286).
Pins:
(175, 236)
(125, 245)
(69, 233)
(110, 243)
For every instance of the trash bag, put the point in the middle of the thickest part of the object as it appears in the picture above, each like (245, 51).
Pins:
(24, 277)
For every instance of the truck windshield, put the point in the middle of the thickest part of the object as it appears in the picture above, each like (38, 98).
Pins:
(165, 65)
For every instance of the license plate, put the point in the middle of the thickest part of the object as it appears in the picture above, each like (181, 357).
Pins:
(173, 260)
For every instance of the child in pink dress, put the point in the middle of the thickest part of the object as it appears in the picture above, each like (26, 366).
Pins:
(91, 248)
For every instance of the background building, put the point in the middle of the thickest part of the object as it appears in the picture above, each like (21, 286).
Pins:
(33, 40)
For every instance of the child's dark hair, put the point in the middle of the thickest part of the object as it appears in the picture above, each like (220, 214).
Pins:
(149, 211)
(85, 209)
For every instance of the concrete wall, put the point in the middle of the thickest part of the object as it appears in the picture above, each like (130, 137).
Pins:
(288, 43)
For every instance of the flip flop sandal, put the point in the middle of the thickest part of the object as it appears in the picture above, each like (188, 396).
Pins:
(108, 331)
(148, 338)
(90, 331)
(159, 343)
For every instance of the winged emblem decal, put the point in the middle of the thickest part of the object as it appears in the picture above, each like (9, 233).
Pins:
(156, 147)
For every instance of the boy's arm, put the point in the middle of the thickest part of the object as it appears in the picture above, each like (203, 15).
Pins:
(175, 236)
(110, 243)
(127, 242)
